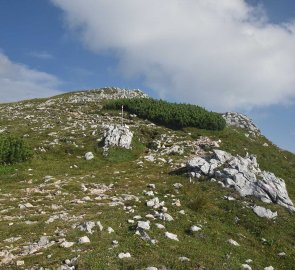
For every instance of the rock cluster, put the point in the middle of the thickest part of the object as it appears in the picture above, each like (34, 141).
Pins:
(105, 93)
(243, 174)
(117, 135)
(241, 121)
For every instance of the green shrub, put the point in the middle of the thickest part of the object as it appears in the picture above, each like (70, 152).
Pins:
(13, 150)
(172, 115)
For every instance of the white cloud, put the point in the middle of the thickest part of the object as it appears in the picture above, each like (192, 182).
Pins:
(222, 54)
(18, 82)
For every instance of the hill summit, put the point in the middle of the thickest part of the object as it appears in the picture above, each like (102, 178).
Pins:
(158, 186)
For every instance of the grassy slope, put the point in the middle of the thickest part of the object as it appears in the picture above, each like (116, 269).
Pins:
(203, 203)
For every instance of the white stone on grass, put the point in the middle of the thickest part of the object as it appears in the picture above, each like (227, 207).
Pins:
(153, 202)
(66, 244)
(84, 240)
(144, 225)
(171, 236)
(110, 230)
(195, 228)
(160, 226)
(89, 156)
(246, 266)
(233, 242)
(124, 255)
(184, 259)
(263, 212)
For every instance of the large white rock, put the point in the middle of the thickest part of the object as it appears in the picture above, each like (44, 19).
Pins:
(244, 175)
(117, 135)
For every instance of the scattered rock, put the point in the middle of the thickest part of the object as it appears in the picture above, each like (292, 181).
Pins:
(87, 226)
(160, 226)
(110, 230)
(263, 212)
(84, 240)
(89, 156)
(195, 228)
(143, 225)
(124, 255)
(171, 236)
(20, 263)
(184, 259)
(233, 242)
(268, 268)
(66, 244)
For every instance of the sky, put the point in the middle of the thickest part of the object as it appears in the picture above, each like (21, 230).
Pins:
(225, 55)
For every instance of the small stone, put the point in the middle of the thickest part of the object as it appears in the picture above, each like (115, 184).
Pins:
(99, 225)
(150, 216)
(151, 268)
(110, 230)
(115, 242)
(195, 228)
(171, 236)
(66, 244)
(153, 186)
(160, 226)
(89, 156)
(248, 261)
(149, 193)
(19, 263)
(281, 254)
(268, 268)
(184, 259)
(233, 242)
(246, 266)
(177, 185)
(84, 240)
(144, 225)
(124, 255)
(168, 217)
(153, 202)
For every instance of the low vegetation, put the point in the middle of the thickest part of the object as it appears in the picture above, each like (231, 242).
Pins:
(13, 150)
(168, 114)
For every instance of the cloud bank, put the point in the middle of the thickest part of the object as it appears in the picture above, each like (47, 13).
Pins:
(221, 54)
(18, 82)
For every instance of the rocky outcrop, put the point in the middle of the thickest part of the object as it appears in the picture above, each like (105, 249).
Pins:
(104, 93)
(242, 174)
(241, 121)
(117, 135)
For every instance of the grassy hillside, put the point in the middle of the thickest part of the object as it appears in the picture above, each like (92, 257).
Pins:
(61, 130)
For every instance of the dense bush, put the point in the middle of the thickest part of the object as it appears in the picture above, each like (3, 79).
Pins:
(170, 114)
(13, 150)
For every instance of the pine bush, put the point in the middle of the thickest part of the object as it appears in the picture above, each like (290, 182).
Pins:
(13, 150)
(172, 115)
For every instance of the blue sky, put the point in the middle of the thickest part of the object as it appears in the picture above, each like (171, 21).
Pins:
(190, 52)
